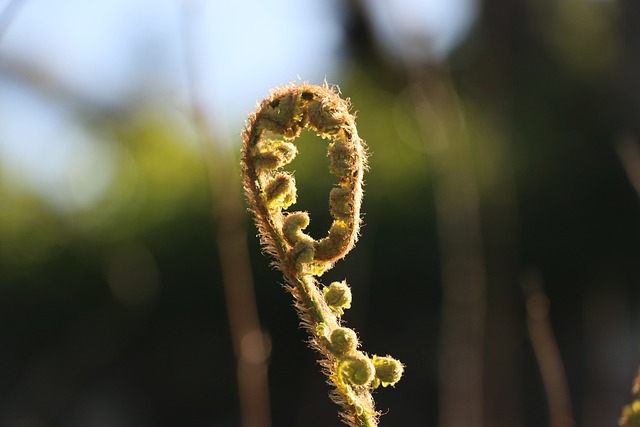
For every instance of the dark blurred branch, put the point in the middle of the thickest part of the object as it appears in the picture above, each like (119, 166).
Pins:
(49, 86)
(249, 343)
(463, 272)
(362, 46)
(627, 95)
(628, 151)
(546, 351)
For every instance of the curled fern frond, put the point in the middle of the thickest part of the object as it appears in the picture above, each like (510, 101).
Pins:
(267, 147)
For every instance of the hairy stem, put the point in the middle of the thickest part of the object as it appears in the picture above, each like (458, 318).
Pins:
(267, 147)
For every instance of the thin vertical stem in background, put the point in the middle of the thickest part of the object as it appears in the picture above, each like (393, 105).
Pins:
(547, 353)
(459, 228)
(628, 151)
(457, 204)
(458, 222)
(249, 342)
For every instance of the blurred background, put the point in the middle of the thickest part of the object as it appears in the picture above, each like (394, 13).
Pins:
(500, 257)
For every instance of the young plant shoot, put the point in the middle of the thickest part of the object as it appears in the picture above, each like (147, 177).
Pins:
(270, 191)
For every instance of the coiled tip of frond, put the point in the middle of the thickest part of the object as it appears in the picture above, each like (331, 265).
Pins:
(268, 147)
(343, 341)
(388, 370)
(338, 296)
(357, 369)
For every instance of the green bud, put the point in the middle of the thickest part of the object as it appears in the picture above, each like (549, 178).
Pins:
(388, 370)
(343, 341)
(280, 191)
(324, 117)
(357, 369)
(292, 227)
(267, 160)
(271, 155)
(286, 151)
(338, 296)
(282, 115)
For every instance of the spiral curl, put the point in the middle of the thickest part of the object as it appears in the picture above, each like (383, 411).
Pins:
(267, 148)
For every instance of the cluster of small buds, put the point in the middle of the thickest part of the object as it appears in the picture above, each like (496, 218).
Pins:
(338, 297)
(267, 148)
(343, 343)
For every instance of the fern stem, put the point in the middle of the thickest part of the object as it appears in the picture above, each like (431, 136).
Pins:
(267, 147)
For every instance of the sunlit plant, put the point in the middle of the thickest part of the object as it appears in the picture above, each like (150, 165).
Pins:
(631, 413)
(267, 148)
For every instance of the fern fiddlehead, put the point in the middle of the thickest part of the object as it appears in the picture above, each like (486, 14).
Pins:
(267, 147)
